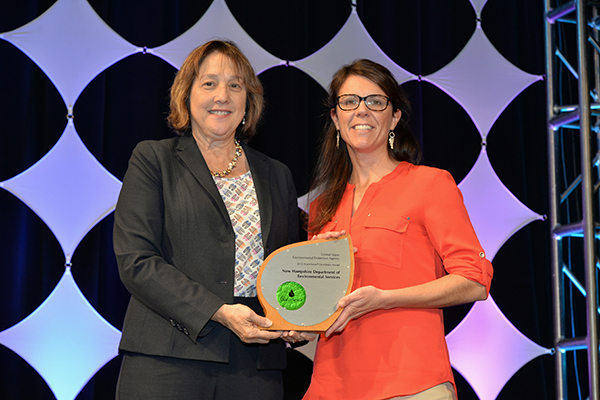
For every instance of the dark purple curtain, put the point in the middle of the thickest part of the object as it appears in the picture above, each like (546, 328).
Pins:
(128, 103)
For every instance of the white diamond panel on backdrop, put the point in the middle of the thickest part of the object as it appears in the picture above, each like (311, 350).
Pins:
(68, 189)
(65, 339)
(71, 44)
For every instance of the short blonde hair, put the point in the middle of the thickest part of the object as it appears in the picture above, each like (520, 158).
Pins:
(179, 115)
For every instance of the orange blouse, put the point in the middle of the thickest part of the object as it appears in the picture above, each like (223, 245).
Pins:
(410, 228)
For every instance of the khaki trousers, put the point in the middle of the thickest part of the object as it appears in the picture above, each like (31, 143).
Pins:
(443, 391)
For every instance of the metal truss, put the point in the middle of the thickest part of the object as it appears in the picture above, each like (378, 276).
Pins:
(573, 85)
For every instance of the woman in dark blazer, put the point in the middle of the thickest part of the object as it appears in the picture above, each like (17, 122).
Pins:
(196, 216)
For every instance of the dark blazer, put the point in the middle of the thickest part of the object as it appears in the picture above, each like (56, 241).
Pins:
(175, 248)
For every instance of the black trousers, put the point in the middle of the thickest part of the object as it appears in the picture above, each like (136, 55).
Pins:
(165, 378)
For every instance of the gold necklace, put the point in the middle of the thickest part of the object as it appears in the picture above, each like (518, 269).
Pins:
(232, 164)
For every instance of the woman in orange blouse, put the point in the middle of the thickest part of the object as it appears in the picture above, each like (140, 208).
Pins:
(416, 248)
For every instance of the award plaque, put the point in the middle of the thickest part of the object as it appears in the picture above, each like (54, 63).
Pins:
(299, 285)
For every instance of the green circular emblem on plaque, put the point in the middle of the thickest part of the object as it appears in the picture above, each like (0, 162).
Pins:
(291, 295)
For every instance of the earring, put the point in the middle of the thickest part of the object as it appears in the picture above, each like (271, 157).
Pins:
(337, 143)
(391, 137)
(244, 120)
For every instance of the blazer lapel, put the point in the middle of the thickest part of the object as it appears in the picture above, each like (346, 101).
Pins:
(191, 156)
(260, 175)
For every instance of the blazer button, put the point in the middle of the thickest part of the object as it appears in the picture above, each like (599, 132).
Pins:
(186, 331)
(172, 322)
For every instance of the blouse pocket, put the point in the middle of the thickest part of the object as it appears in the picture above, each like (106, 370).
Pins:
(383, 239)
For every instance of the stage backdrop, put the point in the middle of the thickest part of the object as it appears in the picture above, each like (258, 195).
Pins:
(83, 81)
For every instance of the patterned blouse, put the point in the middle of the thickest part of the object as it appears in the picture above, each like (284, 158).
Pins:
(239, 196)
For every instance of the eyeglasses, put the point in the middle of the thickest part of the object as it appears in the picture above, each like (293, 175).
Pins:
(374, 102)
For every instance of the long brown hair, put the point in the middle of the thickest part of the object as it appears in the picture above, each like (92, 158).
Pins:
(334, 166)
(179, 116)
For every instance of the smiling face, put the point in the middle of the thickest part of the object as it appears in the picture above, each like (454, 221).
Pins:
(217, 99)
(363, 130)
